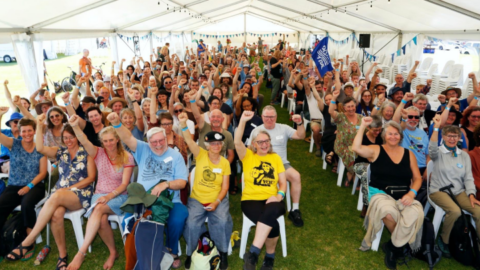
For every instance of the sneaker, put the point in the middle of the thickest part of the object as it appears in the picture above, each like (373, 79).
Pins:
(250, 261)
(318, 153)
(296, 217)
(267, 264)
(188, 262)
(390, 258)
(443, 247)
(223, 260)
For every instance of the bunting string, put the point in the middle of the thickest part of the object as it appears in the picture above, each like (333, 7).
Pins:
(241, 34)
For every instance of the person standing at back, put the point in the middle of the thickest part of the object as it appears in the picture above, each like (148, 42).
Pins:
(85, 64)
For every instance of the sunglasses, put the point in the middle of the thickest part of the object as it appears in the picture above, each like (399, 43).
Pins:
(413, 117)
(168, 82)
(15, 121)
(54, 116)
(178, 111)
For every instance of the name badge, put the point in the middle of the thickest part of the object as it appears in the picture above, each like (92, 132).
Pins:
(459, 165)
(280, 137)
(357, 127)
(253, 125)
(217, 170)
(168, 159)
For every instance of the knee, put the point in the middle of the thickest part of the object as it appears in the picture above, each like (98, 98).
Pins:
(315, 129)
(58, 216)
(454, 214)
(389, 217)
(294, 178)
(104, 223)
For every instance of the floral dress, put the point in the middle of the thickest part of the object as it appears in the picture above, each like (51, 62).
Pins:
(72, 172)
(346, 132)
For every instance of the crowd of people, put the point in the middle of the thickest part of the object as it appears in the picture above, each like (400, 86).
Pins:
(174, 119)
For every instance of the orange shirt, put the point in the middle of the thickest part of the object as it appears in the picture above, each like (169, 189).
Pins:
(83, 65)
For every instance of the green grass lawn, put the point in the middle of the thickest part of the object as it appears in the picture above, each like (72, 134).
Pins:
(330, 239)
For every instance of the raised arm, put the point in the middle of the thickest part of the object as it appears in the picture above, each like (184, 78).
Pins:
(8, 96)
(123, 132)
(50, 152)
(398, 112)
(25, 112)
(444, 116)
(196, 112)
(311, 84)
(367, 75)
(81, 137)
(369, 152)
(192, 145)
(235, 82)
(374, 79)
(411, 74)
(4, 140)
(239, 145)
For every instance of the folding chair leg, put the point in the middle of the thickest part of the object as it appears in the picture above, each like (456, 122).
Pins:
(289, 203)
(78, 230)
(283, 100)
(312, 142)
(355, 183)
(360, 199)
(283, 235)
(340, 170)
(376, 242)
(244, 237)
(324, 161)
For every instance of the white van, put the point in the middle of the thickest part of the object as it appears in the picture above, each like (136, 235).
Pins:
(7, 54)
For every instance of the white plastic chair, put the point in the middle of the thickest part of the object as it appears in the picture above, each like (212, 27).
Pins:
(312, 142)
(444, 74)
(324, 161)
(454, 78)
(247, 224)
(341, 171)
(192, 180)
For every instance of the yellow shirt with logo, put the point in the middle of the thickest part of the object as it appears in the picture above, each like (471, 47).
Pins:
(208, 177)
(260, 174)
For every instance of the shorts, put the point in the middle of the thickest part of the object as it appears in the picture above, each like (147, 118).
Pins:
(114, 203)
(316, 122)
(287, 166)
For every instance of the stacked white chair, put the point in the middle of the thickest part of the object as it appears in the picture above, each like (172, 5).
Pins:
(431, 71)
(247, 224)
(455, 78)
(467, 88)
(444, 74)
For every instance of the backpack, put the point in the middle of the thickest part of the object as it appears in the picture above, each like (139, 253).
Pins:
(205, 256)
(463, 242)
(13, 234)
(428, 252)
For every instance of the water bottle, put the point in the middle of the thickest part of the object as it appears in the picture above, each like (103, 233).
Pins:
(42, 255)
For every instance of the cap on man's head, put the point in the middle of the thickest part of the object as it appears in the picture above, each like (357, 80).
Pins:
(88, 99)
(214, 136)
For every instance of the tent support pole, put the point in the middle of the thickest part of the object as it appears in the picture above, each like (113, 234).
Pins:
(245, 27)
(400, 40)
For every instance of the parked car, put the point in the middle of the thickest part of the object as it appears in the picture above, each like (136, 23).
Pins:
(7, 54)
(471, 47)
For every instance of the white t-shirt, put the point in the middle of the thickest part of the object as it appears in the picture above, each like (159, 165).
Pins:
(190, 125)
(315, 112)
(279, 137)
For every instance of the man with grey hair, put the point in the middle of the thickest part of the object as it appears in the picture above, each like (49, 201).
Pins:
(279, 134)
(158, 161)
(414, 138)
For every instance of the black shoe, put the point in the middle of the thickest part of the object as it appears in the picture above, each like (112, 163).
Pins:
(267, 264)
(223, 260)
(250, 261)
(443, 247)
(390, 258)
(296, 217)
(188, 262)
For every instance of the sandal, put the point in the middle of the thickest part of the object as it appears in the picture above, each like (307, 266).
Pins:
(334, 168)
(329, 158)
(62, 263)
(21, 256)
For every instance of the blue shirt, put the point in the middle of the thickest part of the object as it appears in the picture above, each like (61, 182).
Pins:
(462, 143)
(360, 110)
(152, 168)
(219, 46)
(24, 166)
(463, 103)
(4, 151)
(417, 142)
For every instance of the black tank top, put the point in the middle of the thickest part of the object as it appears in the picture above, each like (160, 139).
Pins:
(384, 172)
(471, 139)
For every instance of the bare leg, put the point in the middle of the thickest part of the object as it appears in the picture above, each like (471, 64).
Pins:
(390, 223)
(93, 226)
(58, 230)
(60, 198)
(270, 245)
(261, 234)
(294, 178)
(106, 233)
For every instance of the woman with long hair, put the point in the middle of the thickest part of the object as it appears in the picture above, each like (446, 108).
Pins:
(365, 106)
(470, 119)
(115, 167)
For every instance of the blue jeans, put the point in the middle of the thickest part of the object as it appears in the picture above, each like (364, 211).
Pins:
(175, 225)
(220, 225)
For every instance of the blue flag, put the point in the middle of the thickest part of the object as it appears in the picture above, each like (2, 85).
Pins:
(322, 58)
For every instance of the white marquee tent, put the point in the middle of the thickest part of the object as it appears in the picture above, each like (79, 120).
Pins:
(393, 24)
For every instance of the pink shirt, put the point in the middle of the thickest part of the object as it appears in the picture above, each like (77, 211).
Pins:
(109, 177)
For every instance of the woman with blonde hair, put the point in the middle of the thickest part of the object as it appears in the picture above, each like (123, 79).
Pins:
(115, 167)
(265, 186)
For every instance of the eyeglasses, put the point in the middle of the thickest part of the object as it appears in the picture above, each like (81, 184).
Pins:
(263, 142)
(65, 138)
(178, 111)
(413, 117)
(168, 82)
(15, 121)
(157, 142)
(166, 124)
(54, 116)
(216, 143)
(475, 116)
(450, 137)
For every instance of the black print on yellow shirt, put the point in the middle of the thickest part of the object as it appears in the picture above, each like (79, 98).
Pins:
(263, 175)
(208, 179)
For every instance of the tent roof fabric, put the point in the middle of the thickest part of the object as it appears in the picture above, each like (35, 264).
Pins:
(216, 15)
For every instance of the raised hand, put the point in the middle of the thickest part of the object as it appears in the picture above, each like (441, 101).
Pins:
(16, 101)
(153, 91)
(471, 75)
(441, 98)
(3, 110)
(73, 121)
(366, 121)
(246, 116)
(113, 118)
(131, 94)
(182, 118)
(5, 82)
(437, 121)
(417, 62)
(297, 119)
(452, 101)
(335, 94)
(404, 114)
(378, 71)
(408, 96)
(41, 119)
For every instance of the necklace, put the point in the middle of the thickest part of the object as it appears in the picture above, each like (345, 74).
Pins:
(112, 159)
